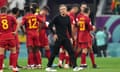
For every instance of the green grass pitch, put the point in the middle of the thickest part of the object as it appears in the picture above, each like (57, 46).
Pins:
(105, 65)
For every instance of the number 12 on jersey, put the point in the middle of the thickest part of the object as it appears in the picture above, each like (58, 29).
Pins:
(32, 23)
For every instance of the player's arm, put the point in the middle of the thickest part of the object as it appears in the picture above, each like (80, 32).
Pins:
(22, 25)
(41, 23)
(17, 25)
(91, 27)
(77, 21)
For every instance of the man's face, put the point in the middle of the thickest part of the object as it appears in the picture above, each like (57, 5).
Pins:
(44, 12)
(83, 6)
(63, 10)
(75, 9)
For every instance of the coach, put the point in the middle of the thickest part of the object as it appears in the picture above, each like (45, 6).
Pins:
(62, 26)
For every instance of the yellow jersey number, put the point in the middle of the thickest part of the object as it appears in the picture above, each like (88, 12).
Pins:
(4, 24)
(82, 25)
(32, 23)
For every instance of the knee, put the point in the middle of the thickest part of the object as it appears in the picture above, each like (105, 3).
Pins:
(84, 51)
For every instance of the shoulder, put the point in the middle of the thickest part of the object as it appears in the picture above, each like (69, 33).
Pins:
(11, 17)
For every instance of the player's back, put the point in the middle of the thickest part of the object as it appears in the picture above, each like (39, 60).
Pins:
(30, 21)
(7, 23)
(84, 27)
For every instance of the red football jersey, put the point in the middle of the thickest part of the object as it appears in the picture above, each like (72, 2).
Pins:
(3, 3)
(43, 18)
(7, 23)
(84, 28)
(43, 30)
(31, 22)
(72, 17)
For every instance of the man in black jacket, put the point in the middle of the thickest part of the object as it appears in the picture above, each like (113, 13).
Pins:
(62, 26)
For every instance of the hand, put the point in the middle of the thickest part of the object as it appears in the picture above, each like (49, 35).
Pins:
(71, 40)
(55, 37)
(94, 28)
(14, 33)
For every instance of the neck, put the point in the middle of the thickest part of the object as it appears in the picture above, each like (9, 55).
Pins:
(86, 14)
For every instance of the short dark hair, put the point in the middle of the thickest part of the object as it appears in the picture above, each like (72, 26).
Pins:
(46, 8)
(3, 10)
(29, 9)
(15, 10)
(86, 10)
(75, 5)
(83, 3)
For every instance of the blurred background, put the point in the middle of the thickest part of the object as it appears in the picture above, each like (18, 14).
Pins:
(105, 14)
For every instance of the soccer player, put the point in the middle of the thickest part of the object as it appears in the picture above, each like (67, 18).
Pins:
(7, 37)
(32, 28)
(63, 54)
(15, 13)
(90, 50)
(42, 34)
(62, 25)
(84, 37)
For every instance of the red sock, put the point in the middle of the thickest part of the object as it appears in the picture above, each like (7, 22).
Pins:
(1, 61)
(38, 57)
(17, 56)
(76, 54)
(67, 58)
(10, 60)
(47, 54)
(92, 58)
(83, 58)
(61, 56)
(30, 58)
(14, 59)
(35, 60)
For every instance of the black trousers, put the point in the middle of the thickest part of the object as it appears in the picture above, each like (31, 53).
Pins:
(67, 45)
(104, 49)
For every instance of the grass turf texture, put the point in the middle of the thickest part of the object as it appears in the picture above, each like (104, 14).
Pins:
(105, 65)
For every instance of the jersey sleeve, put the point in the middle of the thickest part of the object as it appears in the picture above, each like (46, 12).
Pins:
(90, 27)
(23, 20)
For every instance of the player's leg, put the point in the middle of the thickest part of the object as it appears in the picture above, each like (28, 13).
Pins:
(83, 58)
(67, 60)
(91, 54)
(83, 55)
(29, 45)
(37, 57)
(13, 50)
(17, 48)
(30, 57)
(47, 51)
(36, 50)
(61, 56)
(1, 58)
(77, 52)
(46, 45)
